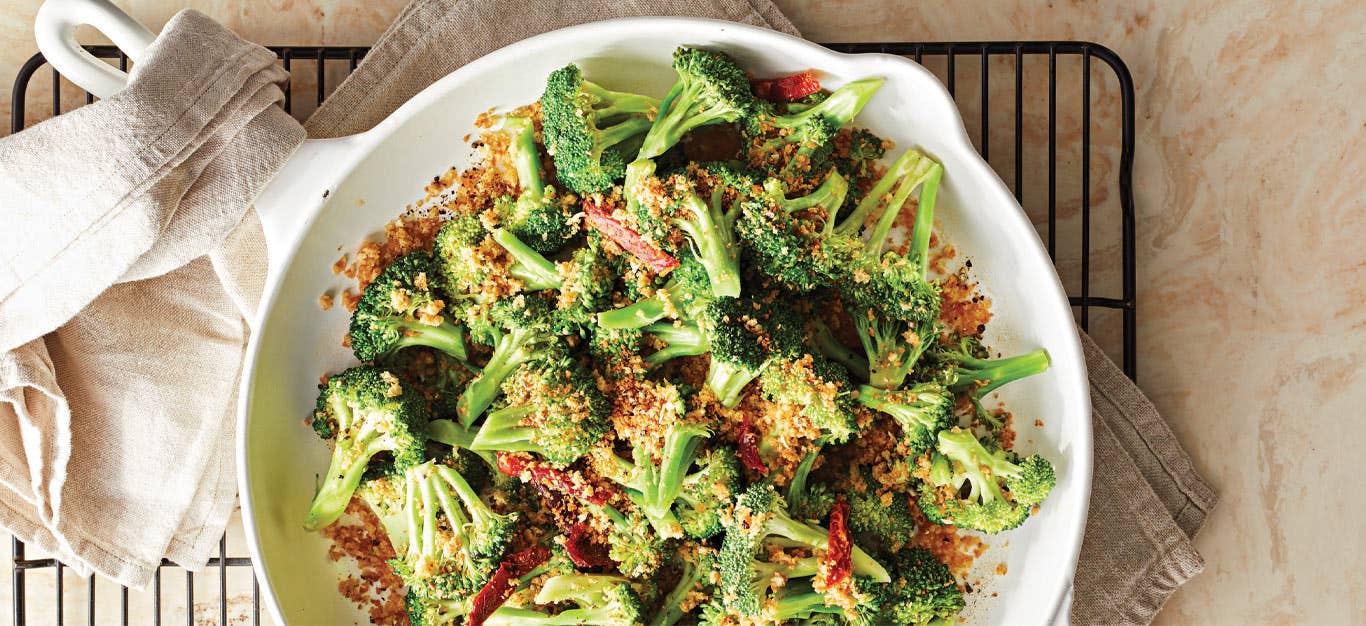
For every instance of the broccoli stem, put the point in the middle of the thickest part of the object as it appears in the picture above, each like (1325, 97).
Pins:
(830, 196)
(715, 245)
(637, 315)
(910, 169)
(524, 157)
(535, 271)
(919, 252)
(796, 490)
(893, 358)
(728, 381)
(344, 472)
(998, 372)
(683, 339)
(618, 102)
(670, 612)
(782, 525)
(509, 353)
(502, 430)
(446, 337)
(839, 108)
(831, 348)
(452, 434)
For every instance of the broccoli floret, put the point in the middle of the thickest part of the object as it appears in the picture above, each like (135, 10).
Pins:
(922, 590)
(599, 599)
(400, 309)
(662, 488)
(818, 385)
(761, 516)
(894, 306)
(811, 129)
(366, 411)
(535, 215)
(451, 531)
(745, 335)
(585, 126)
(587, 282)
(518, 329)
(983, 376)
(688, 288)
(711, 89)
(467, 261)
(705, 499)
(554, 410)
(883, 524)
(616, 351)
(800, 600)
(1001, 488)
(778, 232)
(921, 410)
(695, 565)
(434, 611)
(671, 214)
(632, 542)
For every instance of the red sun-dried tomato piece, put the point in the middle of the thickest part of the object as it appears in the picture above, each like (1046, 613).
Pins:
(749, 447)
(500, 585)
(787, 88)
(651, 255)
(839, 555)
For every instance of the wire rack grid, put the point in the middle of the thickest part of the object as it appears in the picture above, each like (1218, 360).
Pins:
(1071, 167)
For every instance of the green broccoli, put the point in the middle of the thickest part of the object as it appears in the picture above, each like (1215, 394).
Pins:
(695, 565)
(451, 531)
(778, 233)
(400, 309)
(884, 524)
(922, 411)
(1001, 488)
(632, 542)
(535, 215)
(745, 335)
(585, 126)
(824, 341)
(809, 501)
(366, 411)
(680, 339)
(466, 267)
(761, 516)
(818, 385)
(922, 591)
(600, 599)
(689, 287)
(812, 129)
(704, 501)
(518, 329)
(657, 483)
(669, 213)
(711, 89)
(554, 410)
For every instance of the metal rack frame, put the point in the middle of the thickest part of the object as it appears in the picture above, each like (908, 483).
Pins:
(329, 56)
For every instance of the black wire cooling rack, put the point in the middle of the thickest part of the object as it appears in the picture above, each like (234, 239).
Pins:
(1080, 92)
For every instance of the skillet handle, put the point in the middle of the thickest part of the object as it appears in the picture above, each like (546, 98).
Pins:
(55, 31)
(290, 202)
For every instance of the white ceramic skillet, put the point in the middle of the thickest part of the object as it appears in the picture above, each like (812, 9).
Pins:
(337, 192)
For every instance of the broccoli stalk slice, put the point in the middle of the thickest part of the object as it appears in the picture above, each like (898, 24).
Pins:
(512, 349)
(728, 380)
(993, 373)
(502, 430)
(535, 271)
(713, 236)
(636, 315)
(524, 159)
(350, 457)
(684, 339)
(831, 348)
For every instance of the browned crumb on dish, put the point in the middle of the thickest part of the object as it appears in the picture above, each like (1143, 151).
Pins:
(940, 256)
(1038, 423)
(1001, 569)
(957, 551)
(1007, 436)
(325, 301)
(377, 587)
(349, 300)
(964, 310)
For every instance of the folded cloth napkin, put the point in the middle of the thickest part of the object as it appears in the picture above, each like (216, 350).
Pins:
(130, 265)
(1148, 501)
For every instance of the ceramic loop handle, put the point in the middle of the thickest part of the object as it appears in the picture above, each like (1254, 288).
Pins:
(55, 30)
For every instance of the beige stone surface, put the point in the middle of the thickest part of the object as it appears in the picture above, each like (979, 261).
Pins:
(1251, 157)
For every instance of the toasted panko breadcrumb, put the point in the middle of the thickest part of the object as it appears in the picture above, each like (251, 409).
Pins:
(377, 587)
(964, 310)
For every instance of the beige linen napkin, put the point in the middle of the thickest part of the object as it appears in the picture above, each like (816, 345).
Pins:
(1147, 500)
(130, 262)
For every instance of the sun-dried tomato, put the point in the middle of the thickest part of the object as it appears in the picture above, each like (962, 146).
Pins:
(500, 585)
(651, 255)
(749, 447)
(787, 88)
(839, 555)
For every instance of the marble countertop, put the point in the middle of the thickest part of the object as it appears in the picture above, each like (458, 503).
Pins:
(1251, 213)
